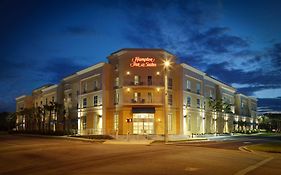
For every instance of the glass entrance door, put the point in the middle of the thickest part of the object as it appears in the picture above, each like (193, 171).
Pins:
(143, 123)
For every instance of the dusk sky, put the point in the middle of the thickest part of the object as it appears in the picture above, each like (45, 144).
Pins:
(238, 42)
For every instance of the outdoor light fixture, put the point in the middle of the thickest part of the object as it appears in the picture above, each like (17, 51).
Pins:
(167, 63)
(128, 73)
(128, 89)
(157, 73)
(158, 89)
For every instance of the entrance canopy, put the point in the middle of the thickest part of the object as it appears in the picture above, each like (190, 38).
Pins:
(144, 110)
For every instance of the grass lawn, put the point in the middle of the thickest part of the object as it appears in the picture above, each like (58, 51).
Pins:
(267, 147)
(268, 134)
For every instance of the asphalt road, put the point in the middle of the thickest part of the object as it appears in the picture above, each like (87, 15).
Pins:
(31, 155)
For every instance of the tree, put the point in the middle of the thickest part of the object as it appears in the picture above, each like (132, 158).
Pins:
(219, 106)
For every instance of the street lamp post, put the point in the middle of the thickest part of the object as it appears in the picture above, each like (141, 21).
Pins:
(166, 66)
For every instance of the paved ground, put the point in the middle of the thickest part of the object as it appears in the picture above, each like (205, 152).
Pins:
(31, 155)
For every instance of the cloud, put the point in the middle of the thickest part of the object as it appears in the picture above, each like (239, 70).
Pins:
(269, 104)
(257, 79)
(217, 40)
(80, 31)
(57, 68)
(275, 54)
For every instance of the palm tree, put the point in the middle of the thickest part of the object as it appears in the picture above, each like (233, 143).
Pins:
(219, 106)
(58, 109)
(47, 108)
(38, 113)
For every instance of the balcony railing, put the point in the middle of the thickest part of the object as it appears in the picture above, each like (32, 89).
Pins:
(91, 90)
(143, 101)
(195, 92)
(142, 83)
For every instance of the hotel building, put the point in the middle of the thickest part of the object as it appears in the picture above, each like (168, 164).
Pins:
(136, 93)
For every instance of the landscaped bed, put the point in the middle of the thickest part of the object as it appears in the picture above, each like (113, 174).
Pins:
(267, 147)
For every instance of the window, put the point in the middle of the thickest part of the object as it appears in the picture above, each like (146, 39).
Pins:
(116, 67)
(116, 98)
(84, 102)
(95, 100)
(188, 122)
(149, 97)
(136, 80)
(46, 102)
(170, 83)
(53, 99)
(198, 103)
(211, 93)
(137, 96)
(84, 122)
(116, 122)
(96, 85)
(188, 102)
(170, 122)
(188, 85)
(85, 87)
(149, 80)
(170, 99)
(198, 88)
(117, 82)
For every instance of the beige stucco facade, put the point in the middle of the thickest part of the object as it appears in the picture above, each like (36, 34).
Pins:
(127, 95)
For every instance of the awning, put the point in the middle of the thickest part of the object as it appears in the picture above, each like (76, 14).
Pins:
(143, 110)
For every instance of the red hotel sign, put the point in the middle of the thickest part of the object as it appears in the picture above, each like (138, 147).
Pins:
(143, 62)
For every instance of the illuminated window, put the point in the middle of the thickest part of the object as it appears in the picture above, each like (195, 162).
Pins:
(170, 122)
(136, 80)
(198, 103)
(116, 98)
(84, 122)
(188, 85)
(188, 102)
(198, 88)
(170, 99)
(170, 83)
(84, 102)
(116, 121)
(137, 96)
(188, 122)
(117, 82)
(95, 100)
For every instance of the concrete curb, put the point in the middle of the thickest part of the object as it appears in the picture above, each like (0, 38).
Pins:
(255, 166)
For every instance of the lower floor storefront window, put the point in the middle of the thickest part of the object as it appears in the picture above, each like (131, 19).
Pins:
(143, 123)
